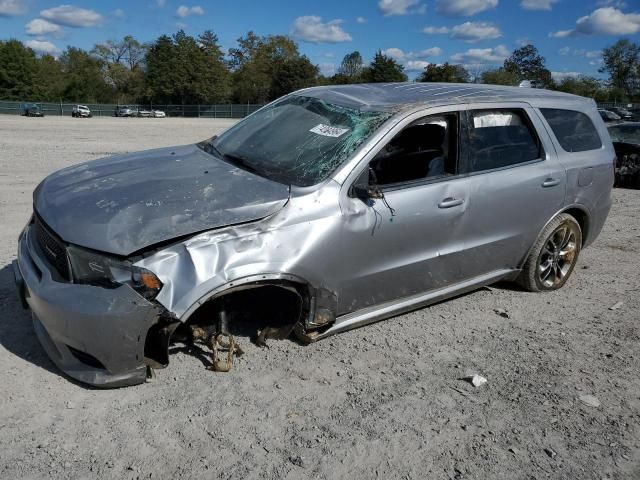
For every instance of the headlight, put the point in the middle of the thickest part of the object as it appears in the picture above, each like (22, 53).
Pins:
(99, 270)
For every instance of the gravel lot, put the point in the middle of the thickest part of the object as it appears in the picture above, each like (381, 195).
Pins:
(384, 401)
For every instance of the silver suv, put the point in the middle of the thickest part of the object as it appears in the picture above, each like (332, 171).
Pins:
(81, 111)
(328, 209)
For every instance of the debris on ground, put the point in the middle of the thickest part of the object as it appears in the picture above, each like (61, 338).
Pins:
(502, 312)
(550, 452)
(476, 380)
(589, 400)
(616, 306)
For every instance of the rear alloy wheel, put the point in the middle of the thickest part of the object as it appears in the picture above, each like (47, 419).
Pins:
(554, 255)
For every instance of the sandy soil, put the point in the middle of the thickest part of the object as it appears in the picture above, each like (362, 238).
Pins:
(384, 401)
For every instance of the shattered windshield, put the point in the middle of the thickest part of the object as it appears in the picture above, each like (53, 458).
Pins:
(297, 141)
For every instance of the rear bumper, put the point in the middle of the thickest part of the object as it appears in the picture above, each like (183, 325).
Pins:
(95, 335)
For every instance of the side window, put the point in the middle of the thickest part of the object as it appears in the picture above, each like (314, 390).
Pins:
(428, 148)
(501, 138)
(574, 130)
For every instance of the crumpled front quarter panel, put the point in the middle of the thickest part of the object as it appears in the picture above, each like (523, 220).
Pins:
(301, 241)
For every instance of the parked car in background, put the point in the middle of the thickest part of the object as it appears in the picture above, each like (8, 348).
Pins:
(608, 115)
(32, 110)
(623, 113)
(81, 111)
(329, 209)
(123, 111)
(626, 142)
(158, 114)
(143, 113)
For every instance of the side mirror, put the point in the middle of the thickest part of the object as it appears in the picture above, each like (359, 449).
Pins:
(365, 192)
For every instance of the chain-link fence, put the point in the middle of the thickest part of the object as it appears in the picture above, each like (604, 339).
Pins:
(225, 110)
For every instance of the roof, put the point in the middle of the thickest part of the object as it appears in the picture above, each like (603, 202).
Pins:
(398, 96)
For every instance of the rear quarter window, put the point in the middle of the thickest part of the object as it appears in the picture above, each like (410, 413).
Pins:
(574, 130)
(501, 138)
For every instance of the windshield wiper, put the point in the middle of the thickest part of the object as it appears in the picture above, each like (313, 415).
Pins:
(240, 162)
(214, 149)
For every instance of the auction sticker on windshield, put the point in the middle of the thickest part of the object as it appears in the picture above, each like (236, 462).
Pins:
(328, 130)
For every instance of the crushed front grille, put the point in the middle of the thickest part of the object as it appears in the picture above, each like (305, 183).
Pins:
(53, 248)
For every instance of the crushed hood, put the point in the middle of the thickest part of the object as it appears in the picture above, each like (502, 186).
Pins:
(126, 203)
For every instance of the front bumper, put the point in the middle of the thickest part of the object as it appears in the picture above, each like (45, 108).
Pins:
(95, 335)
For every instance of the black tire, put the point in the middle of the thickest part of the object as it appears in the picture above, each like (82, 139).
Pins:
(553, 256)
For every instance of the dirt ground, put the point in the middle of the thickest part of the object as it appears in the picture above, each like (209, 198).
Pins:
(383, 401)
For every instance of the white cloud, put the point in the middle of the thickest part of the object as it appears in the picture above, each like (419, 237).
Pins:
(603, 21)
(183, 11)
(436, 30)
(471, 32)
(361, 20)
(412, 61)
(537, 4)
(464, 8)
(400, 55)
(400, 7)
(327, 69)
(609, 21)
(612, 3)
(10, 8)
(561, 34)
(559, 76)
(310, 28)
(395, 53)
(484, 56)
(580, 52)
(39, 27)
(161, 3)
(416, 65)
(72, 16)
(118, 13)
(521, 42)
(42, 46)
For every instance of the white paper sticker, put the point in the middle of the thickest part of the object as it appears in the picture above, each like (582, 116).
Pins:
(328, 130)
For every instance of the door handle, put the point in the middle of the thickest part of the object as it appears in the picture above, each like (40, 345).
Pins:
(551, 182)
(450, 202)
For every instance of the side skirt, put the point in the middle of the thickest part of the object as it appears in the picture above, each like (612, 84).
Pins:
(407, 304)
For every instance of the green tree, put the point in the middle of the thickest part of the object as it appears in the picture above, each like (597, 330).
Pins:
(526, 63)
(384, 69)
(622, 63)
(123, 66)
(584, 86)
(351, 67)
(185, 70)
(500, 76)
(444, 73)
(49, 80)
(84, 79)
(18, 69)
(268, 67)
(160, 72)
(217, 76)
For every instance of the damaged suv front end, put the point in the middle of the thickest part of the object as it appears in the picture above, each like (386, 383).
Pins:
(120, 252)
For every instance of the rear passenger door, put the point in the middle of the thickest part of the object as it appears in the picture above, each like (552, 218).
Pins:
(516, 185)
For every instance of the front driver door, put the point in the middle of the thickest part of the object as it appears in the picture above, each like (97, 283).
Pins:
(408, 242)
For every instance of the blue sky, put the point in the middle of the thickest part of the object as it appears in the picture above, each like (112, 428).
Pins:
(476, 33)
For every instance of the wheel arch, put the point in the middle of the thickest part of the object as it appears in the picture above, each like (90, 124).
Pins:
(577, 211)
(282, 280)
